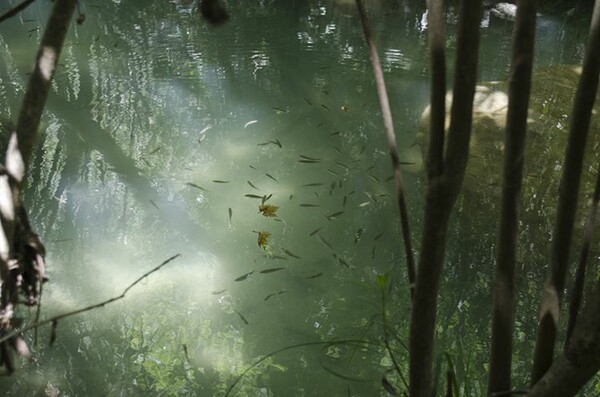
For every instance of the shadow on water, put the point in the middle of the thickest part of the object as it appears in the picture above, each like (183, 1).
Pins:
(159, 133)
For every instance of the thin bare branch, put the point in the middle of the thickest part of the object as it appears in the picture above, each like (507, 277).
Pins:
(569, 188)
(577, 293)
(393, 147)
(15, 10)
(56, 318)
(516, 128)
(581, 358)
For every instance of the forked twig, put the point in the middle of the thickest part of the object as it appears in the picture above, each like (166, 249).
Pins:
(55, 319)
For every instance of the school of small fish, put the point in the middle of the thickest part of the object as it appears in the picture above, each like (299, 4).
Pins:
(337, 168)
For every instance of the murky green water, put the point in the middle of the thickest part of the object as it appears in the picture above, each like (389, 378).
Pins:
(159, 128)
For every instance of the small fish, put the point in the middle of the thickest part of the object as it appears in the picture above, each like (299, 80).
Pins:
(335, 214)
(208, 127)
(374, 178)
(371, 197)
(265, 198)
(313, 184)
(314, 232)
(316, 275)
(325, 107)
(406, 162)
(254, 196)
(357, 235)
(242, 318)
(219, 181)
(185, 352)
(332, 172)
(278, 143)
(309, 161)
(341, 261)
(53, 332)
(307, 102)
(344, 201)
(271, 270)
(230, 214)
(252, 185)
(373, 252)
(250, 123)
(155, 150)
(153, 204)
(291, 196)
(272, 295)
(321, 239)
(332, 187)
(379, 236)
(343, 165)
(320, 124)
(281, 258)
(253, 167)
(280, 110)
(269, 296)
(335, 133)
(388, 387)
(370, 168)
(219, 292)
(264, 143)
(244, 276)
(309, 205)
(272, 177)
(310, 158)
(196, 186)
(289, 253)
(364, 204)
(389, 178)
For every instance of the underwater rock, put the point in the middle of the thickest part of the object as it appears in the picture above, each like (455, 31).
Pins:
(550, 107)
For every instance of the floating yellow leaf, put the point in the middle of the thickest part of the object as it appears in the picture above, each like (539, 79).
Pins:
(268, 210)
(262, 239)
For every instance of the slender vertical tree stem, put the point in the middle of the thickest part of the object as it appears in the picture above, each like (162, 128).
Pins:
(567, 204)
(441, 195)
(516, 128)
(393, 147)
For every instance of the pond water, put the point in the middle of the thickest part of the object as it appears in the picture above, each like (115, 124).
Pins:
(158, 135)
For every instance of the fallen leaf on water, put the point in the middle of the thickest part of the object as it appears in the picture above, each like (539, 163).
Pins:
(268, 210)
(263, 238)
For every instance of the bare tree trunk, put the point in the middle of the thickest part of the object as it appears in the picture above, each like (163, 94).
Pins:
(516, 128)
(581, 359)
(569, 187)
(578, 285)
(442, 191)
